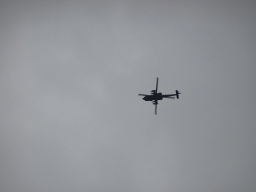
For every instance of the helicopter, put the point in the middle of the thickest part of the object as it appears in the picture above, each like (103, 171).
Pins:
(155, 96)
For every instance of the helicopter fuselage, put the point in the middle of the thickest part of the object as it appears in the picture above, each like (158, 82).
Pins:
(157, 96)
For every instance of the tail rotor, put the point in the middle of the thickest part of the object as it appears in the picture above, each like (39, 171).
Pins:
(177, 94)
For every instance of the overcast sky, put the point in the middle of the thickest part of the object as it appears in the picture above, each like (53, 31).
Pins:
(70, 115)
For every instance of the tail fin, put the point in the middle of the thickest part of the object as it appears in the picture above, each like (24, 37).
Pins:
(177, 94)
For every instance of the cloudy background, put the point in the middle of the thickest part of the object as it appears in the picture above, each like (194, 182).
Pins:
(70, 115)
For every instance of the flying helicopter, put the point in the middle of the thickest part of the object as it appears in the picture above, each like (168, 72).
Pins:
(154, 97)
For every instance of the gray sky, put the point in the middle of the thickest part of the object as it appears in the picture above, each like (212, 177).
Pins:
(70, 115)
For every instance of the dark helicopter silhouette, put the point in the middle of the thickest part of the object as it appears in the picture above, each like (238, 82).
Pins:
(154, 97)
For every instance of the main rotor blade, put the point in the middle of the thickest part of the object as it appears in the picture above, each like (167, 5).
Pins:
(156, 84)
(156, 109)
(143, 95)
